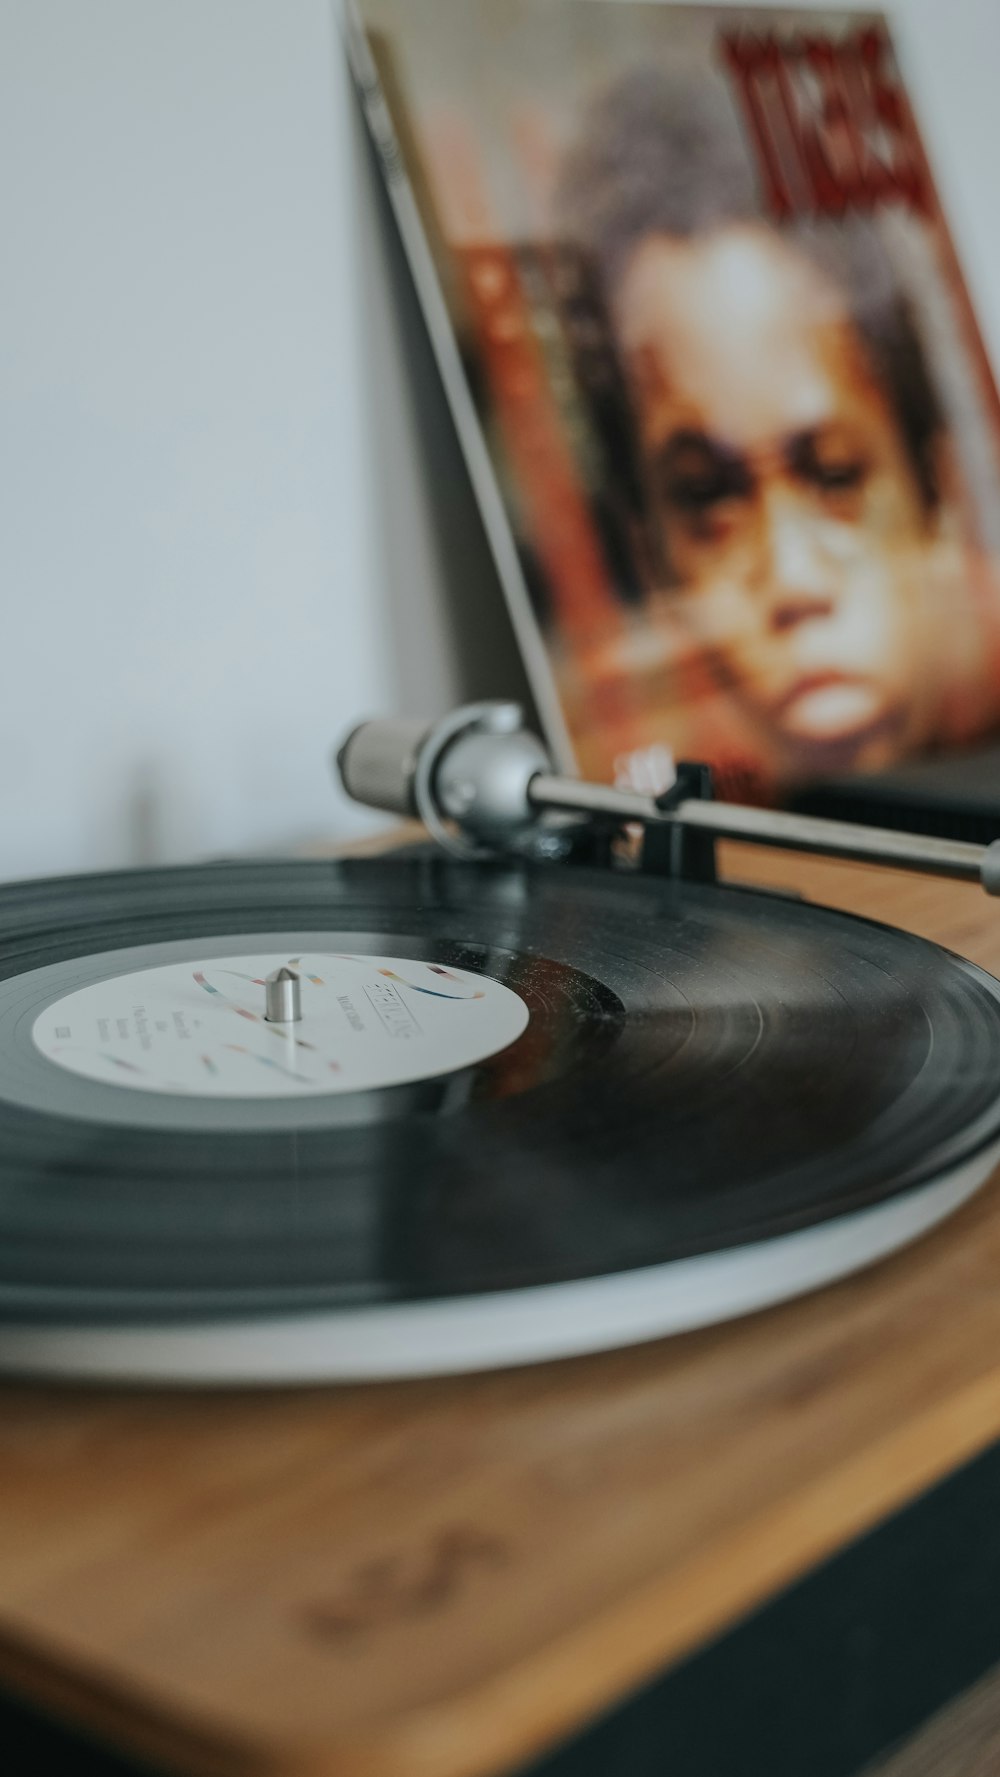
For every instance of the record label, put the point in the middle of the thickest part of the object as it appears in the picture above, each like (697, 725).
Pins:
(199, 1027)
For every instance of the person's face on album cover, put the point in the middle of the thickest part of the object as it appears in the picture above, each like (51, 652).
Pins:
(727, 372)
(790, 519)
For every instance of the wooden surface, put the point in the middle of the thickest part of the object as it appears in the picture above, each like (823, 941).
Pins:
(960, 1741)
(440, 1579)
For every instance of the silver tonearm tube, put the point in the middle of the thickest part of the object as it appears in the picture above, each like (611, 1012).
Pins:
(479, 780)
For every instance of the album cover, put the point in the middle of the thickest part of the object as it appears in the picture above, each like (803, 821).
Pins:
(717, 374)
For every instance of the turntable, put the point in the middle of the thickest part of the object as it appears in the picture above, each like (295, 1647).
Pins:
(545, 1087)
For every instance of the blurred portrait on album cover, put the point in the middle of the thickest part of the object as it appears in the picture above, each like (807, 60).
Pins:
(725, 364)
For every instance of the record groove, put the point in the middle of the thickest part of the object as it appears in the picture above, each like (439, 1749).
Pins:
(702, 1068)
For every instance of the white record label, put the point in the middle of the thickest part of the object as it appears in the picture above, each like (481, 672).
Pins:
(199, 1028)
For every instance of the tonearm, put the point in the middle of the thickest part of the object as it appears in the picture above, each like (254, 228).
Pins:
(483, 784)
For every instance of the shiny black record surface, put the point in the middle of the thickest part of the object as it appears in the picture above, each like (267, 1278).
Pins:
(702, 1067)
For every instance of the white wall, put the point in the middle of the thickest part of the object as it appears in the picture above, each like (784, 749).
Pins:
(202, 516)
(233, 513)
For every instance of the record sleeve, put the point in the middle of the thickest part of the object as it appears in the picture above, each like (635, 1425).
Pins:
(716, 371)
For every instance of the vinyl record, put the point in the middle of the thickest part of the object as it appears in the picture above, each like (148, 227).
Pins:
(527, 1111)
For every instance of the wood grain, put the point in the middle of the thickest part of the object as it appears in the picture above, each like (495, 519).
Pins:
(962, 1740)
(445, 1577)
